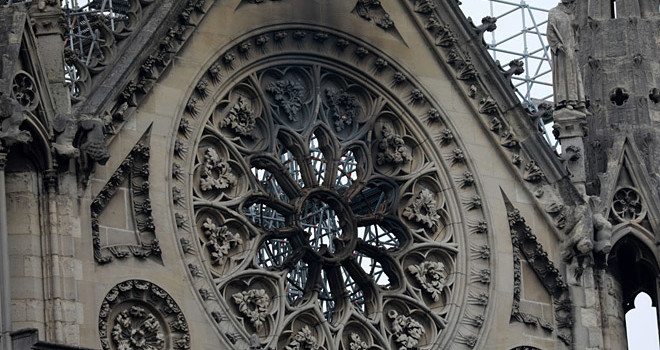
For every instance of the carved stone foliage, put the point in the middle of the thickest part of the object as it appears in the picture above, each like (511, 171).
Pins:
(129, 182)
(372, 10)
(527, 246)
(139, 315)
(321, 216)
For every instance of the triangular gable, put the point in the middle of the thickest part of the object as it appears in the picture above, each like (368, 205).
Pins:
(626, 170)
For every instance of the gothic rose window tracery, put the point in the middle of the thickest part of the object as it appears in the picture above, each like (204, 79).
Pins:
(321, 213)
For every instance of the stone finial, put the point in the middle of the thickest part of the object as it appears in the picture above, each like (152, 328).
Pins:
(488, 24)
(516, 67)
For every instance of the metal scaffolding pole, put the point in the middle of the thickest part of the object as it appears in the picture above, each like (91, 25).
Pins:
(521, 35)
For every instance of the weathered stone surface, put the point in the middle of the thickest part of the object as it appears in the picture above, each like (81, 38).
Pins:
(259, 174)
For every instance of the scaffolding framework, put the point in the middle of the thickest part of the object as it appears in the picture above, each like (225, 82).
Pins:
(521, 35)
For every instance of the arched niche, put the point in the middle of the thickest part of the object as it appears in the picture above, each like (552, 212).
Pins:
(633, 264)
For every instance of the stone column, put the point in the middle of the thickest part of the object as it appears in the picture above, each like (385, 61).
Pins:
(49, 27)
(570, 128)
(5, 290)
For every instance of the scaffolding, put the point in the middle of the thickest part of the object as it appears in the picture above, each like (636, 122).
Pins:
(521, 35)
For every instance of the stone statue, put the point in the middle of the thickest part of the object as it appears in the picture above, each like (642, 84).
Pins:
(563, 40)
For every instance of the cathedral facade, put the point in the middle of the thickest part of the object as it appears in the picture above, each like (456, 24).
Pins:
(309, 174)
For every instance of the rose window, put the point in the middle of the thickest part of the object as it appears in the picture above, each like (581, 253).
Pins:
(322, 215)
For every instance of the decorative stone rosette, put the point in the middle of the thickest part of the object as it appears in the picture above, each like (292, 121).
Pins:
(323, 217)
(139, 315)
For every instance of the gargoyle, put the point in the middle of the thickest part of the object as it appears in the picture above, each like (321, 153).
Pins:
(92, 143)
(11, 118)
(579, 242)
(65, 128)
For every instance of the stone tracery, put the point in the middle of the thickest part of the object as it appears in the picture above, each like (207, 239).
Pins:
(333, 195)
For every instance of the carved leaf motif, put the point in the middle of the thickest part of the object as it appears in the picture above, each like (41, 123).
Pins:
(217, 174)
(423, 210)
(356, 343)
(240, 118)
(432, 276)
(406, 331)
(137, 329)
(254, 304)
(288, 95)
(303, 340)
(344, 107)
(392, 148)
(220, 241)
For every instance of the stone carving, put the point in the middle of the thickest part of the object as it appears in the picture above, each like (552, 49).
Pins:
(217, 173)
(563, 40)
(356, 343)
(399, 78)
(416, 95)
(469, 340)
(467, 180)
(303, 340)
(432, 276)
(423, 210)
(457, 156)
(526, 245)
(478, 299)
(240, 118)
(424, 6)
(361, 52)
(372, 10)
(287, 162)
(524, 239)
(488, 24)
(220, 241)
(136, 328)
(139, 315)
(92, 145)
(288, 95)
(446, 137)
(405, 330)
(66, 129)
(487, 106)
(467, 71)
(444, 36)
(433, 115)
(11, 118)
(24, 91)
(254, 305)
(557, 210)
(344, 108)
(533, 173)
(392, 148)
(516, 67)
(134, 169)
(474, 203)
(602, 234)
